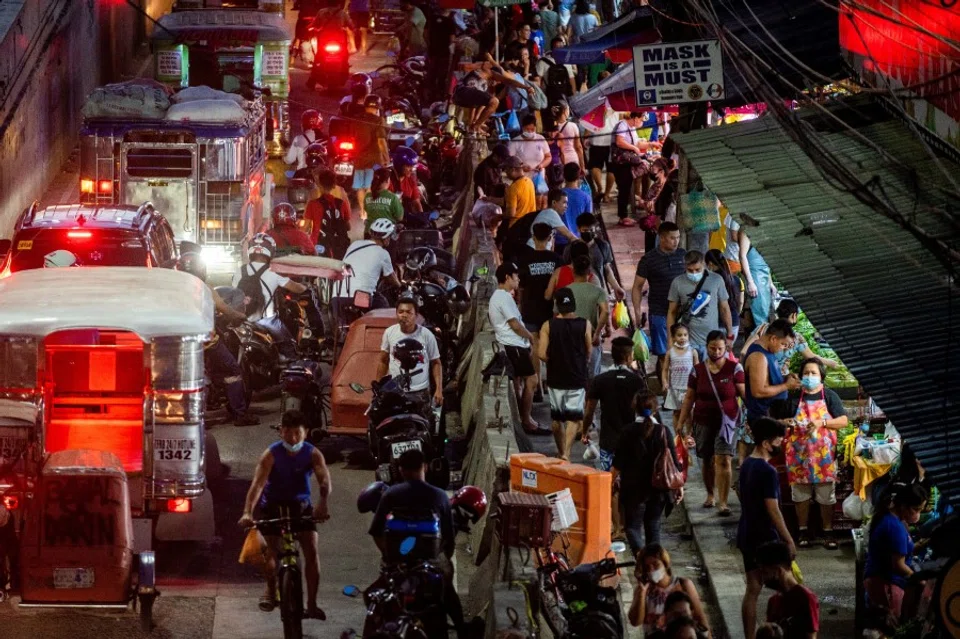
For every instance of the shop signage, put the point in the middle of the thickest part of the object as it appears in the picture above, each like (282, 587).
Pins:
(677, 72)
(172, 65)
(270, 68)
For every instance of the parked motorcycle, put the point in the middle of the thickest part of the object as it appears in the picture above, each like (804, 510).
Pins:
(304, 389)
(592, 611)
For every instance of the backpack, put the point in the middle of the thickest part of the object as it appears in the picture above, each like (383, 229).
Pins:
(252, 287)
(334, 228)
(557, 80)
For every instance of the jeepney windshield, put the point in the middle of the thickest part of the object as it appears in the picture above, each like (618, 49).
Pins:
(229, 70)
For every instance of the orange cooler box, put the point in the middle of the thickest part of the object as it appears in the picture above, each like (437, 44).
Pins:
(77, 544)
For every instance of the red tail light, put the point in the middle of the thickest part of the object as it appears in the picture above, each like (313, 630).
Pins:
(346, 146)
(81, 235)
(105, 187)
(11, 502)
(331, 47)
(181, 506)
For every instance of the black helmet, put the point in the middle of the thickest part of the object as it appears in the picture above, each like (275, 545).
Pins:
(360, 81)
(315, 155)
(346, 103)
(311, 120)
(373, 101)
(369, 497)
(409, 353)
(421, 259)
(381, 176)
(193, 264)
(458, 300)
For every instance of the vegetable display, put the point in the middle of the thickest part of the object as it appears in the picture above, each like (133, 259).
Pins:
(839, 377)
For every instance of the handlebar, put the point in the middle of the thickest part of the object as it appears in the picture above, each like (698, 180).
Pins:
(257, 523)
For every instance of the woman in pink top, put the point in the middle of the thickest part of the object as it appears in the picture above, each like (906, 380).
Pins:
(567, 136)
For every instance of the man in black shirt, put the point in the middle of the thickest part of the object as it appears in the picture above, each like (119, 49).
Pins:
(537, 265)
(370, 129)
(441, 31)
(416, 495)
(613, 391)
(488, 176)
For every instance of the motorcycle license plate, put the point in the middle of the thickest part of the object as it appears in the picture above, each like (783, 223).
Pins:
(396, 118)
(401, 447)
(69, 578)
(344, 168)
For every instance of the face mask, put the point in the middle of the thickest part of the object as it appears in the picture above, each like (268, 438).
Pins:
(680, 344)
(528, 134)
(587, 236)
(695, 277)
(810, 382)
(775, 450)
(293, 448)
(645, 412)
(717, 358)
(657, 575)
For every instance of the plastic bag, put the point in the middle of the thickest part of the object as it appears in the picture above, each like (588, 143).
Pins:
(192, 94)
(513, 123)
(139, 98)
(206, 111)
(252, 551)
(795, 569)
(683, 453)
(853, 507)
(621, 318)
(641, 346)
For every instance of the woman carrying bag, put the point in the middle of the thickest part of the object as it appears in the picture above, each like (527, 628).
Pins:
(649, 478)
(626, 156)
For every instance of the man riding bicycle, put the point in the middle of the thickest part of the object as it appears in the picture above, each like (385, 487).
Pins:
(281, 488)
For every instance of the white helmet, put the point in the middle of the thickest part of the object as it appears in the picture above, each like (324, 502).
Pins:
(383, 228)
(59, 258)
(262, 244)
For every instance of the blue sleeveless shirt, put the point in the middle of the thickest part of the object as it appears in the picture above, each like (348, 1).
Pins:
(760, 407)
(289, 479)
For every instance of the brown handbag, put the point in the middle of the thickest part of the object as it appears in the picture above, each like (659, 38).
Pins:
(666, 475)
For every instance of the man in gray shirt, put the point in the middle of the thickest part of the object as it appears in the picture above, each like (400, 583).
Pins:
(705, 313)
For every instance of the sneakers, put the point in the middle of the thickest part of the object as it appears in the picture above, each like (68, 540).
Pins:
(246, 420)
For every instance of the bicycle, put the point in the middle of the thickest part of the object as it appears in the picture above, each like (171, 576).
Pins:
(289, 581)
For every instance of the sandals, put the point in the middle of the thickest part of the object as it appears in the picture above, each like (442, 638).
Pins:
(804, 542)
(708, 503)
(830, 543)
(267, 603)
(626, 221)
(315, 613)
(724, 512)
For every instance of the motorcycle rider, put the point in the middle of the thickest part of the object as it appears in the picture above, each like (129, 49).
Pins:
(328, 216)
(281, 487)
(220, 362)
(361, 85)
(259, 285)
(311, 131)
(369, 261)
(407, 328)
(285, 232)
(405, 162)
(414, 494)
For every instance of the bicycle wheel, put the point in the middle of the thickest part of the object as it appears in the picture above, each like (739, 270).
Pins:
(552, 611)
(291, 604)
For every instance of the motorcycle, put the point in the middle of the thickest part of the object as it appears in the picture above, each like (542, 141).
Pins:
(342, 152)
(396, 424)
(592, 611)
(303, 389)
(331, 62)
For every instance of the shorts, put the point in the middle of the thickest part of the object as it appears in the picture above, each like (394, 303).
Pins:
(566, 404)
(470, 97)
(295, 509)
(360, 19)
(362, 178)
(825, 493)
(658, 335)
(710, 443)
(749, 560)
(598, 157)
(605, 461)
(520, 359)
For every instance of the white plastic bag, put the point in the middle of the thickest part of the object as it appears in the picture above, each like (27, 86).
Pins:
(853, 507)
(192, 94)
(206, 111)
(135, 99)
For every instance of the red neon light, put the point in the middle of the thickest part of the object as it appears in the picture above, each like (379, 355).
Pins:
(79, 234)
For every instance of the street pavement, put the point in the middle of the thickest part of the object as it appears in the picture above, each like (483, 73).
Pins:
(206, 593)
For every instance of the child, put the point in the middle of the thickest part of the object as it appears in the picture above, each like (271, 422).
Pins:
(678, 362)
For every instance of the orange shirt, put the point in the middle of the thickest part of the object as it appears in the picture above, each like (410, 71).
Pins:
(521, 199)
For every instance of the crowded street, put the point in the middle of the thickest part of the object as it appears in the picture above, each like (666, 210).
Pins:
(479, 319)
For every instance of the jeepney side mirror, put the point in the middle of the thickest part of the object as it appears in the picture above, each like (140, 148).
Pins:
(5, 246)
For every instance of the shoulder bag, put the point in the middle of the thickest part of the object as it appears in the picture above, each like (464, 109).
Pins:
(728, 425)
(666, 475)
(684, 315)
(619, 155)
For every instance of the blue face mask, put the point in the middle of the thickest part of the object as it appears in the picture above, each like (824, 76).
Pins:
(293, 448)
(810, 382)
(645, 412)
(694, 277)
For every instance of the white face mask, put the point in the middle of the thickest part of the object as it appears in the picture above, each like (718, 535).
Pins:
(529, 134)
(657, 575)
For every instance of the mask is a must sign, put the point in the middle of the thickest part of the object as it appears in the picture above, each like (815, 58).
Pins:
(678, 72)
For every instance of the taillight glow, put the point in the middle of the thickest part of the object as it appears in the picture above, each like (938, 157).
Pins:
(80, 234)
(346, 146)
(179, 506)
(86, 186)
(106, 186)
(11, 502)
(331, 47)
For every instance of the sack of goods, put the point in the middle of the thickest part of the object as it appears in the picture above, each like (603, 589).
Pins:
(192, 94)
(206, 111)
(135, 99)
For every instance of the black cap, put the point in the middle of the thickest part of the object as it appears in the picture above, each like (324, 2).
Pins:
(566, 302)
(512, 162)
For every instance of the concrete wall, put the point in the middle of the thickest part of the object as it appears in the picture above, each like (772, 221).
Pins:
(52, 54)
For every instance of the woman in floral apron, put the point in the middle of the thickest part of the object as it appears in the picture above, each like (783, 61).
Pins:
(810, 450)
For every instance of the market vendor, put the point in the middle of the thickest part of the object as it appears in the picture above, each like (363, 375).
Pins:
(789, 311)
(810, 449)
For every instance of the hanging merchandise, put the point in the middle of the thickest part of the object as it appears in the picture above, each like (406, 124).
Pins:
(702, 210)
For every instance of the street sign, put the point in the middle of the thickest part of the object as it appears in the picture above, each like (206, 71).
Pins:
(677, 72)
(493, 4)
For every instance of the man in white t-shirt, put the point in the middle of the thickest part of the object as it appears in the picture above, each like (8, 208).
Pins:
(368, 261)
(534, 153)
(260, 285)
(515, 339)
(407, 327)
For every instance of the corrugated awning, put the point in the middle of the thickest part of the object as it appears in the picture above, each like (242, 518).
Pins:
(880, 298)
(630, 30)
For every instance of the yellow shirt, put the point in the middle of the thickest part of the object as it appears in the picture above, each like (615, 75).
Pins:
(521, 199)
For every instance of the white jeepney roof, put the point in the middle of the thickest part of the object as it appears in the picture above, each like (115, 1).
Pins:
(151, 302)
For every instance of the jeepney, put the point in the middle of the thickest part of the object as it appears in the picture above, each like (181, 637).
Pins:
(107, 360)
(234, 50)
(206, 178)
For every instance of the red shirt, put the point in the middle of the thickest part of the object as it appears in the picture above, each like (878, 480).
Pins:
(706, 411)
(565, 277)
(314, 213)
(796, 611)
(292, 237)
